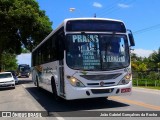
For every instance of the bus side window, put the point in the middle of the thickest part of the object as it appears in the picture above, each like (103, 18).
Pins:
(38, 54)
(53, 48)
(44, 49)
(48, 52)
(60, 45)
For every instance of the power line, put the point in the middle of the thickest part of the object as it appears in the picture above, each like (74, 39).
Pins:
(154, 43)
(147, 29)
(110, 9)
(111, 6)
(115, 8)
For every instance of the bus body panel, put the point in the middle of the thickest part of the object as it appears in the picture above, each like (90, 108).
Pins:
(81, 93)
(50, 70)
(44, 74)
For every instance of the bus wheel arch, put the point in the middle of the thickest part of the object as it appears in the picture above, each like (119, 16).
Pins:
(54, 89)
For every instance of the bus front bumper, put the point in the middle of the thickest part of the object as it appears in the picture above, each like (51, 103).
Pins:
(95, 92)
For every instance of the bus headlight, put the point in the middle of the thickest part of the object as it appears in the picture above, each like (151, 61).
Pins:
(126, 79)
(75, 82)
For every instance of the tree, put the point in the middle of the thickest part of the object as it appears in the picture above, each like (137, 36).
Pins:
(21, 23)
(24, 50)
(9, 61)
(155, 58)
(137, 63)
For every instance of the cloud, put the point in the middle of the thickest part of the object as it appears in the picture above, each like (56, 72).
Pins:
(142, 52)
(98, 5)
(24, 58)
(121, 5)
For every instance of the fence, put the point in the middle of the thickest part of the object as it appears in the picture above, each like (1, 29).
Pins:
(147, 78)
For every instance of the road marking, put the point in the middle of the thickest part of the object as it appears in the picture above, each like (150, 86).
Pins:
(58, 116)
(154, 107)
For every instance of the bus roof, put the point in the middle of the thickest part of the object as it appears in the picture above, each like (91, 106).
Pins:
(68, 19)
(92, 19)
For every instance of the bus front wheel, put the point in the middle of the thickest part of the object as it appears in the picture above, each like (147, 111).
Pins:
(54, 90)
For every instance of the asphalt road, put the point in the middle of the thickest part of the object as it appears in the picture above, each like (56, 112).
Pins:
(26, 97)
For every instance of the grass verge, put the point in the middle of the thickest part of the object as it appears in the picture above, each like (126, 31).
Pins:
(148, 87)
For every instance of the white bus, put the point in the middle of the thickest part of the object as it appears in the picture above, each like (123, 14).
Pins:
(85, 58)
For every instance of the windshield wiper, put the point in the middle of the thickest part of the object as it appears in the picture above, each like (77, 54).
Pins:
(83, 33)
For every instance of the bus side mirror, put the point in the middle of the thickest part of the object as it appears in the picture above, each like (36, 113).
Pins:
(131, 38)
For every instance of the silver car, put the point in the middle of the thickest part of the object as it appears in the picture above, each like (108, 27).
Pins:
(7, 80)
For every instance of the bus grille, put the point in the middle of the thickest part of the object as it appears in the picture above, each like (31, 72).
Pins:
(101, 77)
(101, 91)
(107, 83)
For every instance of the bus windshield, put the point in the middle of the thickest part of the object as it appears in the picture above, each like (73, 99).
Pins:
(97, 52)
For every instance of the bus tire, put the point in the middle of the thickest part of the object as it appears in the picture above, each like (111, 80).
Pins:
(37, 83)
(54, 90)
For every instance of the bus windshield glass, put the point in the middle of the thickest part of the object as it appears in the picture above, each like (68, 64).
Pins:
(97, 51)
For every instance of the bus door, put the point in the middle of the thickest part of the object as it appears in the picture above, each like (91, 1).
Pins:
(60, 45)
(61, 74)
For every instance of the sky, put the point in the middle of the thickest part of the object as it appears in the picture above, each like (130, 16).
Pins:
(24, 59)
(140, 16)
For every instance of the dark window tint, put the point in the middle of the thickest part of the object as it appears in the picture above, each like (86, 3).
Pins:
(95, 25)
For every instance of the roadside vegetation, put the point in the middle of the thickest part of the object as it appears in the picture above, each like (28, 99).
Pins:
(146, 71)
(22, 24)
